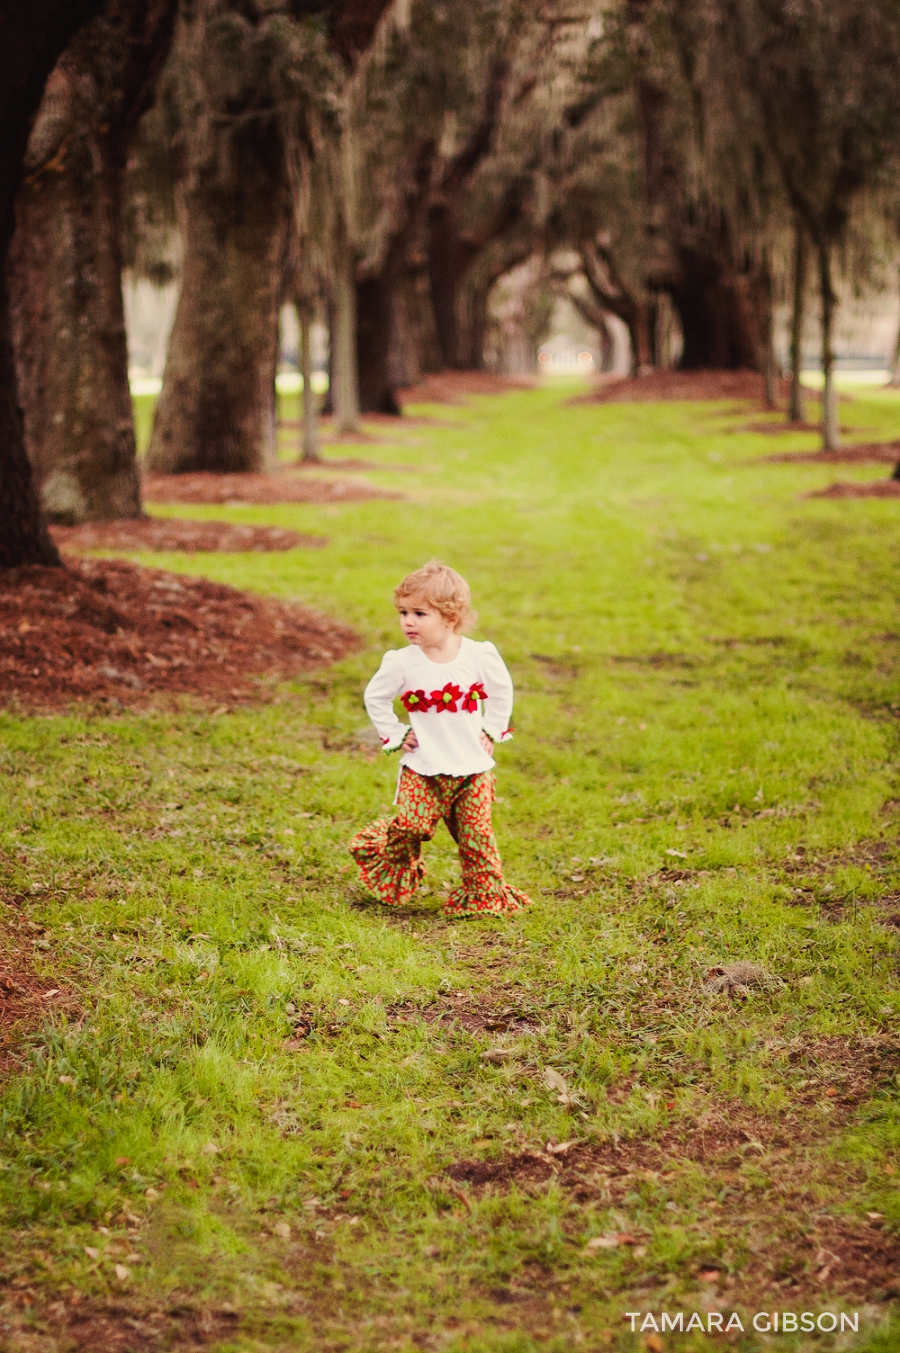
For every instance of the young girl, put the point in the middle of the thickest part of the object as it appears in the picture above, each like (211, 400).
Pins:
(458, 695)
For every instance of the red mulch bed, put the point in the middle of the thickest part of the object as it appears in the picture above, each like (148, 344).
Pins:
(866, 453)
(879, 488)
(682, 385)
(176, 533)
(107, 629)
(283, 486)
(453, 387)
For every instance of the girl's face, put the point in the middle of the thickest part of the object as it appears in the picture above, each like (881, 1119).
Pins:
(423, 625)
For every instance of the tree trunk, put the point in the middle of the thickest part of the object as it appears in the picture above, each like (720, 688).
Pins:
(344, 369)
(894, 381)
(722, 312)
(32, 37)
(217, 406)
(771, 372)
(311, 455)
(374, 325)
(831, 437)
(66, 261)
(797, 412)
(448, 262)
(24, 538)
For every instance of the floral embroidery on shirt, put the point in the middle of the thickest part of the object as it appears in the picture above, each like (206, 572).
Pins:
(415, 701)
(447, 698)
(475, 693)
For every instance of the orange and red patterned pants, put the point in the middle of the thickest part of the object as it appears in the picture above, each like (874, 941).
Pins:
(388, 851)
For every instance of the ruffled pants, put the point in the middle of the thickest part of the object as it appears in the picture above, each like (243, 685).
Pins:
(388, 852)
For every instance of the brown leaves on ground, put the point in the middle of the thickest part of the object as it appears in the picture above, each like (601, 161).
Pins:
(177, 534)
(866, 453)
(772, 1193)
(878, 488)
(284, 486)
(84, 1326)
(25, 999)
(109, 629)
(681, 385)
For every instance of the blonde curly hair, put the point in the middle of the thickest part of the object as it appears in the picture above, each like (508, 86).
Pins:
(441, 587)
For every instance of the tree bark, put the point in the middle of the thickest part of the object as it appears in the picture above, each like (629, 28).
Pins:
(831, 437)
(66, 265)
(894, 381)
(344, 369)
(374, 325)
(722, 311)
(217, 406)
(797, 412)
(32, 37)
(311, 454)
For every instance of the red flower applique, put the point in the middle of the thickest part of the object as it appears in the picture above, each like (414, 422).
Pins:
(475, 693)
(446, 699)
(415, 702)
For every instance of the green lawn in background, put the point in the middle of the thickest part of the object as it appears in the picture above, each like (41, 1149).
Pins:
(703, 772)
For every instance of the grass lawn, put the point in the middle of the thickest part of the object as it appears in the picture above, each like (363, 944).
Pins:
(704, 772)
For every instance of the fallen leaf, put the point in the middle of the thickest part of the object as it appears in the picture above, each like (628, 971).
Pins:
(67, 1080)
(122, 1160)
(122, 1273)
(91, 1252)
(561, 1148)
(611, 1242)
(282, 1229)
(151, 1192)
(875, 1216)
(133, 1258)
(554, 1081)
(496, 1054)
(709, 1275)
(54, 991)
(209, 1149)
(654, 1343)
(458, 1193)
(681, 854)
(341, 1001)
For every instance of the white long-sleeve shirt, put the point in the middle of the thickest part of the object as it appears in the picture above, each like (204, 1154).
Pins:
(449, 703)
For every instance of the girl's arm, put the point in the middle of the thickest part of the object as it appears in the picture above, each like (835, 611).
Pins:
(382, 690)
(497, 708)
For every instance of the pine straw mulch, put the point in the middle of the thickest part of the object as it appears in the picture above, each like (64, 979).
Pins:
(107, 629)
(674, 385)
(283, 486)
(177, 534)
(864, 453)
(878, 488)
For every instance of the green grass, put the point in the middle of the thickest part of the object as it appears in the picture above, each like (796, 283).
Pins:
(704, 771)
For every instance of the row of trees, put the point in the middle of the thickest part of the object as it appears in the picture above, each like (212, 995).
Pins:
(386, 165)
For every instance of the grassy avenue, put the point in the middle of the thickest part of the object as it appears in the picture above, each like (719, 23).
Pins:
(274, 1116)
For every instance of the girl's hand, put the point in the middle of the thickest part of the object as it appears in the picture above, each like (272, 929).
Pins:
(487, 742)
(410, 742)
